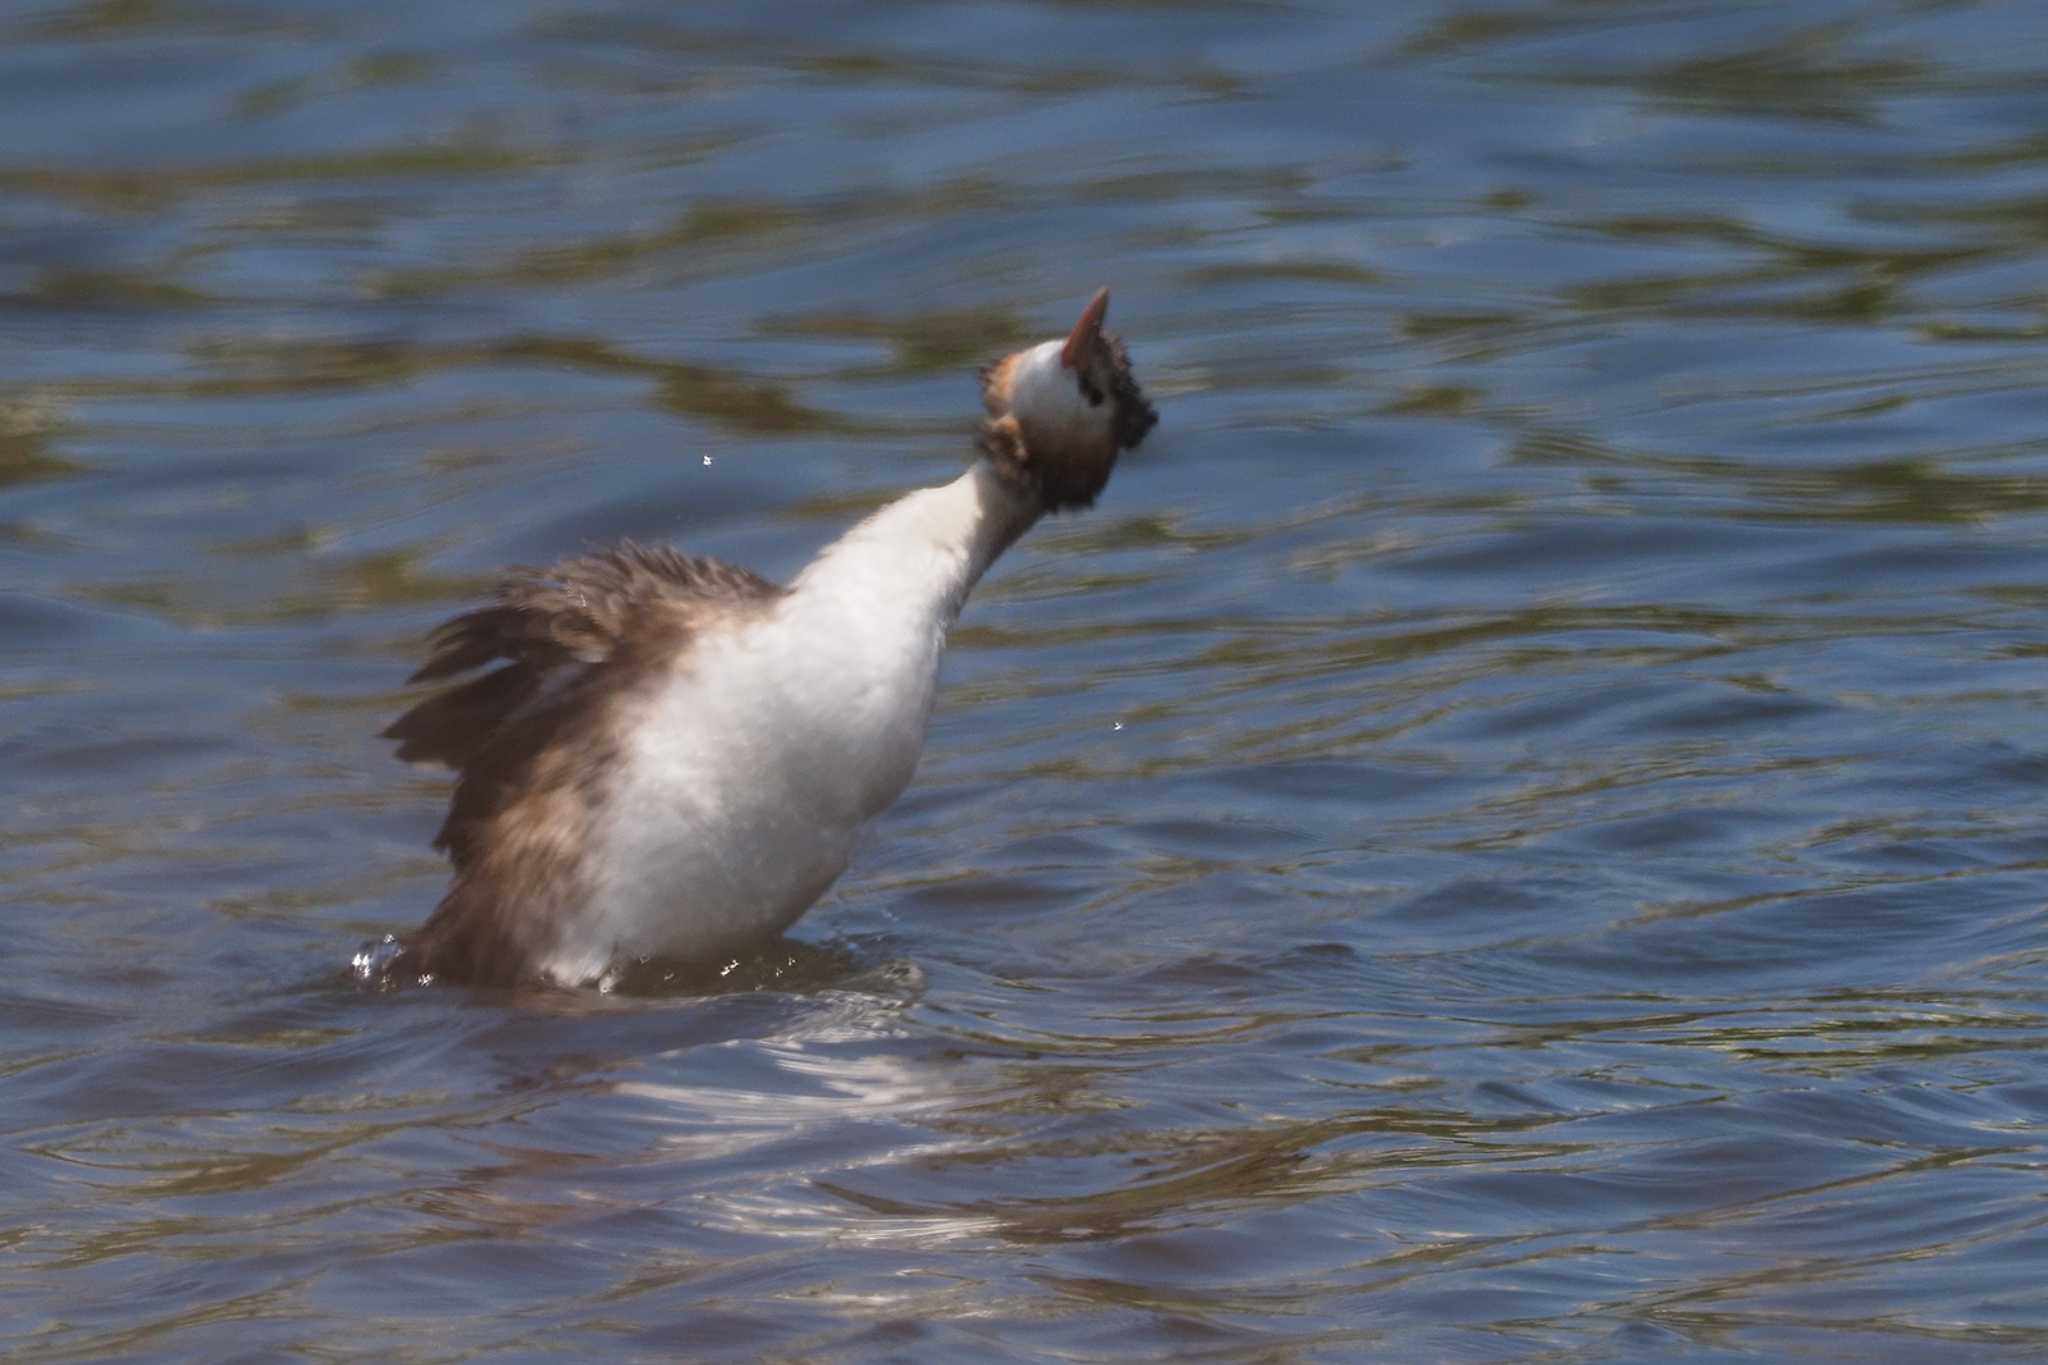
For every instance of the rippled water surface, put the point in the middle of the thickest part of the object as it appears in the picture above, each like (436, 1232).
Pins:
(1512, 832)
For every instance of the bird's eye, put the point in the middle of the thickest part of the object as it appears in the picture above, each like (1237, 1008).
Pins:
(1090, 392)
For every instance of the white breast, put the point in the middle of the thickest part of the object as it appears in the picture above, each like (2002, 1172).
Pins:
(742, 788)
(752, 766)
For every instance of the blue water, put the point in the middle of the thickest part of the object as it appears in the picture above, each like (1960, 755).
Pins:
(1512, 832)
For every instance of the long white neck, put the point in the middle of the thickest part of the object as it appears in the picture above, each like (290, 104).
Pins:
(924, 552)
(747, 774)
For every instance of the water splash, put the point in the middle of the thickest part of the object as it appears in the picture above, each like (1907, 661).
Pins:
(375, 963)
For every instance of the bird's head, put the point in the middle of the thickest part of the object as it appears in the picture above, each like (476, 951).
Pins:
(1060, 412)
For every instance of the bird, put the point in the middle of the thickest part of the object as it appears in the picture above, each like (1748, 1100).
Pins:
(662, 757)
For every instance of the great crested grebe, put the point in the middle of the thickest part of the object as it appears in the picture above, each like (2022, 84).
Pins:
(674, 755)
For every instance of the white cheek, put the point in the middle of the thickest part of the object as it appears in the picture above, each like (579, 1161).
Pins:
(1046, 396)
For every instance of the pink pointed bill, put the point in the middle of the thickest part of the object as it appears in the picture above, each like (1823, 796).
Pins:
(1086, 330)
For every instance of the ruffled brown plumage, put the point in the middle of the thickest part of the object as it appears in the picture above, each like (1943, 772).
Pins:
(532, 742)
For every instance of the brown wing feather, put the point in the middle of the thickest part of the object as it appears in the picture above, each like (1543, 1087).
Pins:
(532, 740)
